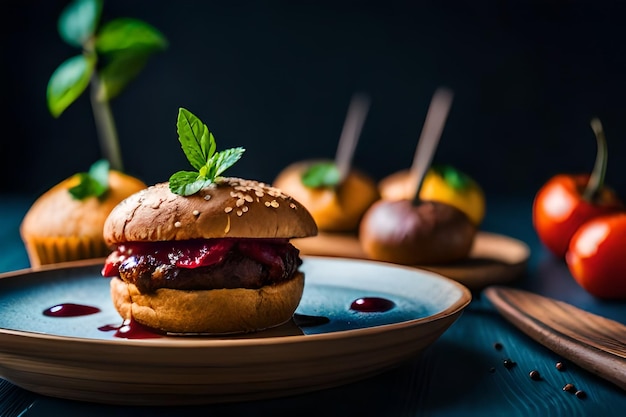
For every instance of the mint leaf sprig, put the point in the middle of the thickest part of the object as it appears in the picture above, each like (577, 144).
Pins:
(94, 183)
(198, 144)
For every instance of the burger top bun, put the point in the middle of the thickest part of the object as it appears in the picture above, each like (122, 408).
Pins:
(228, 208)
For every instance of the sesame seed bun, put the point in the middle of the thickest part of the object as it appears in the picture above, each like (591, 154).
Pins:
(231, 207)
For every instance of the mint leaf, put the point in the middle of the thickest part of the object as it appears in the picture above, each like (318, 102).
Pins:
(68, 82)
(124, 34)
(321, 174)
(94, 183)
(199, 146)
(187, 183)
(221, 161)
(78, 21)
(122, 68)
(195, 138)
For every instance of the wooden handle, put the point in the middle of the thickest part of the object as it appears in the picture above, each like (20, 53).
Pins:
(595, 343)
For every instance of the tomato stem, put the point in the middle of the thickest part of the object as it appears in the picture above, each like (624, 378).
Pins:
(596, 179)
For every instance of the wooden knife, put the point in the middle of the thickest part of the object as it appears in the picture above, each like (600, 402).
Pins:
(595, 343)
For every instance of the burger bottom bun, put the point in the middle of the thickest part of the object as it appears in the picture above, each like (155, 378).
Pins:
(219, 311)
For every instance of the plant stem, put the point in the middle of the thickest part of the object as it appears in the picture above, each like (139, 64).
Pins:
(596, 179)
(105, 125)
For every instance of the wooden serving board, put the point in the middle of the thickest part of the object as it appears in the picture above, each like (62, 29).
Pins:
(494, 258)
(591, 341)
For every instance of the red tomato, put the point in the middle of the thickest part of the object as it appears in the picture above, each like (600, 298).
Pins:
(597, 256)
(559, 210)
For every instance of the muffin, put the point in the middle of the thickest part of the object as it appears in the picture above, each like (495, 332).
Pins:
(59, 227)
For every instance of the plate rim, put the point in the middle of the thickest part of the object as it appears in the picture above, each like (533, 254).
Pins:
(175, 342)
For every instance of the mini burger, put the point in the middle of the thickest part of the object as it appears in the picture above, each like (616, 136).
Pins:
(203, 253)
(218, 261)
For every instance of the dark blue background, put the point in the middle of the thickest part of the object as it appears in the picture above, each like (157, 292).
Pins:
(276, 77)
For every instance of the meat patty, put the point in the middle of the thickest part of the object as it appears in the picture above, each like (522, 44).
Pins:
(246, 265)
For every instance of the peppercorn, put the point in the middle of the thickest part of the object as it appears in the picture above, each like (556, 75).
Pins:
(508, 363)
(569, 388)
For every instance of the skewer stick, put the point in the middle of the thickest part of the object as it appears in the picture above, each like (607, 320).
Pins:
(357, 112)
(429, 139)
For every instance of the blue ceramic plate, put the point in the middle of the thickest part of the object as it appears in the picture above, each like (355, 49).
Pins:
(329, 341)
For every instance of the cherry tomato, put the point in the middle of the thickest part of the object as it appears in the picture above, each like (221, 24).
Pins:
(565, 202)
(596, 256)
(559, 209)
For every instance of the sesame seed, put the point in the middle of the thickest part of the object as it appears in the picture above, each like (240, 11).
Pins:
(244, 209)
(259, 193)
(240, 202)
(196, 213)
(248, 198)
(228, 209)
(267, 203)
(239, 213)
(274, 203)
(207, 197)
(292, 205)
(177, 224)
(233, 194)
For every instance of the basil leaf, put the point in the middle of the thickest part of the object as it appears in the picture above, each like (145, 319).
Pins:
(78, 21)
(122, 68)
(321, 174)
(94, 183)
(197, 142)
(68, 82)
(221, 161)
(187, 183)
(126, 33)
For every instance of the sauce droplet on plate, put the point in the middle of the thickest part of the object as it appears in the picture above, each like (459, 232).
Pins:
(70, 310)
(372, 305)
(131, 329)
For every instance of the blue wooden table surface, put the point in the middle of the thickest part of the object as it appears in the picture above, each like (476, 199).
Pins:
(462, 374)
